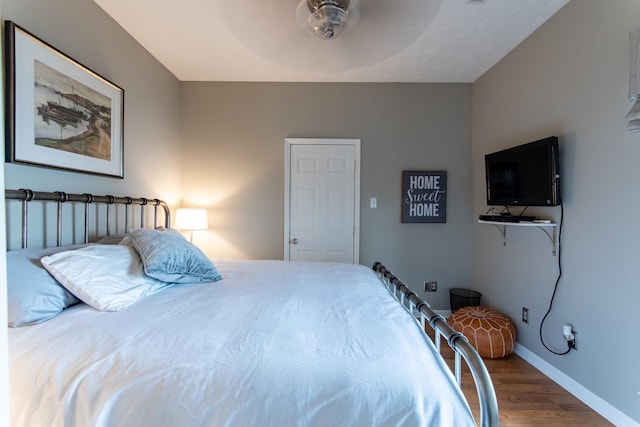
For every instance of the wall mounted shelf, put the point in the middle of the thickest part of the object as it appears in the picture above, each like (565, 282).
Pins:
(547, 228)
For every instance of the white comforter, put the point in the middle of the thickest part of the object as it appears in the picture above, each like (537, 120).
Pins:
(273, 344)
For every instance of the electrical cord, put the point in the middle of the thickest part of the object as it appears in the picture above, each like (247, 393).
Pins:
(555, 288)
(505, 210)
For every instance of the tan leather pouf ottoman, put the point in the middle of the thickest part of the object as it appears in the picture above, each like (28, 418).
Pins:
(490, 332)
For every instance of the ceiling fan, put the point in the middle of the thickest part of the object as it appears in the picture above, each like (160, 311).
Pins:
(328, 19)
(275, 31)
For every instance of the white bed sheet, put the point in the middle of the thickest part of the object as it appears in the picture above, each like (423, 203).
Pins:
(273, 344)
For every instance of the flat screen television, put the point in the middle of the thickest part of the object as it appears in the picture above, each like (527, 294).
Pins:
(525, 175)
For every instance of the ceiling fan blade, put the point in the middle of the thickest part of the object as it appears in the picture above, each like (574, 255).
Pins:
(354, 11)
(302, 14)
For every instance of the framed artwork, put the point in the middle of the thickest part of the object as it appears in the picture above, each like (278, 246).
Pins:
(424, 196)
(60, 114)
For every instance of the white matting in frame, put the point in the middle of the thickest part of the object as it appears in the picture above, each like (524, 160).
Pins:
(60, 114)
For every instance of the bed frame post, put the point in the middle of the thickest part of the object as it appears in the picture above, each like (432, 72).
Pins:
(127, 204)
(155, 213)
(86, 216)
(460, 345)
(142, 205)
(28, 196)
(110, 200)
(62, 198)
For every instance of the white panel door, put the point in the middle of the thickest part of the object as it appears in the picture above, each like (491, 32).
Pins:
(323, 200)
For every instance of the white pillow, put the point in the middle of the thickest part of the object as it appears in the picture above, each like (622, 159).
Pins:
(107, 277)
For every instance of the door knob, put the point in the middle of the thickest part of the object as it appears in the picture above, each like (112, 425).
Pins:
(293, 241)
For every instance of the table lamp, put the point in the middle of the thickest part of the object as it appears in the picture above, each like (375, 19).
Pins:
(191, 219)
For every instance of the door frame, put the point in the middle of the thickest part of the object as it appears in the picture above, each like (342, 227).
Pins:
(288, 142)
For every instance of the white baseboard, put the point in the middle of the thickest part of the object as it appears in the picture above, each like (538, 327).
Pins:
(609, 412)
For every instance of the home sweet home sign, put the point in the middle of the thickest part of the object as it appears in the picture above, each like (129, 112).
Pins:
(424, 196)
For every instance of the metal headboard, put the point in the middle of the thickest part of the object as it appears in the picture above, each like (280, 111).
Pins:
(61, 198)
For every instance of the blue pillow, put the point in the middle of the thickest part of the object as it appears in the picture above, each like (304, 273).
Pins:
(168, 256)
(33, 295)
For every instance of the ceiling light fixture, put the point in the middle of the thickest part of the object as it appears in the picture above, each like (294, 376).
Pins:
(329, 18)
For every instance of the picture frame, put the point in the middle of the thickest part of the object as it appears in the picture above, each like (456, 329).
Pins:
(424, 196)
(59, 113)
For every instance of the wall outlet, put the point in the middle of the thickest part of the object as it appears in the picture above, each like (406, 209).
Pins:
(430, 286)
(525, 314)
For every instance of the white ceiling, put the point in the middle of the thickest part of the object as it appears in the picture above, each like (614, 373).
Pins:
(393, 41)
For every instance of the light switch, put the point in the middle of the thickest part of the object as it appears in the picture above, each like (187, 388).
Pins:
(373, 202)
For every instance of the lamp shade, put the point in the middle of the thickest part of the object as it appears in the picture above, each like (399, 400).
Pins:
(191, 219)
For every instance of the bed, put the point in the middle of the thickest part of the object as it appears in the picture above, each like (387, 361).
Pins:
(218, 343)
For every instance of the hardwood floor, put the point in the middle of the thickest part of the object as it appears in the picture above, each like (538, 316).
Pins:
(526, 397)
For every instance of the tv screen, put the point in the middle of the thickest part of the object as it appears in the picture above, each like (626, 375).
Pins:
(526, 175)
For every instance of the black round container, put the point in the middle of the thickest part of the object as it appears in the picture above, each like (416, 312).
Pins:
(460, 297)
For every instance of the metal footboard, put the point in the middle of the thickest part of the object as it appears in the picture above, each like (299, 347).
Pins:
(457, 341)
(62, 198)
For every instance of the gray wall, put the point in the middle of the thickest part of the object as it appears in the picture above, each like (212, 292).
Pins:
(233, 164)
(570, 79)
(87, 34)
